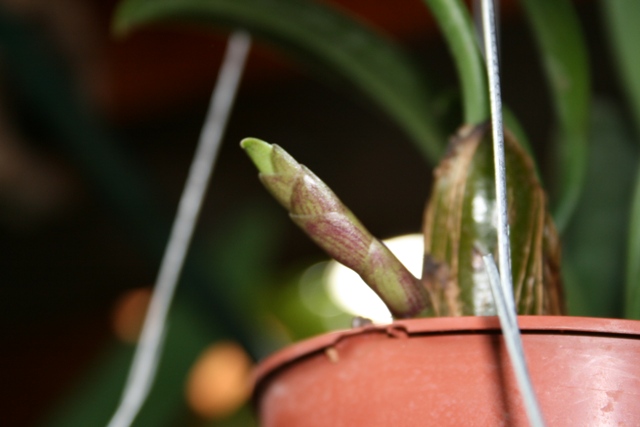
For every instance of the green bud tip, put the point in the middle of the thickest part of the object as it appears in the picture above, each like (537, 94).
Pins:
(260, 153)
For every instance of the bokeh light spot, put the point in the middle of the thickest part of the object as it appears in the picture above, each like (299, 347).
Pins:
(128, 314)
(218, 383)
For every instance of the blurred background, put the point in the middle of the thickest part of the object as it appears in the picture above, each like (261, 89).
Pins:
(96, 136)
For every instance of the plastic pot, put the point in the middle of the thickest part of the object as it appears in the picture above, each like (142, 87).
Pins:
(454, 372)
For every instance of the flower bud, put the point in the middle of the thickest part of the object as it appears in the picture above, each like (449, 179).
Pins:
(331, 225)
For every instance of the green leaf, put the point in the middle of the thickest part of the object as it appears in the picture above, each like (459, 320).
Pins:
(594, 242)
(565, 61)
(632, 293)
(622, 18)
(457, 27)
(513, 125)
(320, 35)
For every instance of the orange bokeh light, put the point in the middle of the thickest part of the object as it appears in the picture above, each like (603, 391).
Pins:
(128, 314)
(218, 383)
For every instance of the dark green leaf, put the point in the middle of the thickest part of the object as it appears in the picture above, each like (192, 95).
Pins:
(323, 35)
(564, 56)
(513, 125)
(457, 27)
(594, 243)
(632, 294)
(622, 18)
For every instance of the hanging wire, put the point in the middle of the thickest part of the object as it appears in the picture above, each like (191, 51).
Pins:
(493, 71)
(513, 341)
(501, 283)
(145, 360)
(479, 25)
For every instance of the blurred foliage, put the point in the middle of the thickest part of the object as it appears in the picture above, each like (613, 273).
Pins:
(621, 17)
(280, 311)
(597, 234)
(325, 39)
(456, 26)
(564, 56)
(109, 168)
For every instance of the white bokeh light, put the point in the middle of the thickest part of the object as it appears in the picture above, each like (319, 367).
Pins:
(351, 294)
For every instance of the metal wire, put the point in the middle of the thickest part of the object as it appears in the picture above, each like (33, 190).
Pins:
(501, 283)
(513, 341)
(504, 247)
(143, 367)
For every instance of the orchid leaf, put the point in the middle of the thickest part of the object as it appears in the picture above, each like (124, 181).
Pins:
(332, 226)
(319, 35)
(512, 123)
(457, 27)
(622, 18)
(564, 56)
(632, 292)
(595, 241)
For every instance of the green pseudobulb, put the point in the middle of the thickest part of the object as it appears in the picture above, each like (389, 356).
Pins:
(460, 226)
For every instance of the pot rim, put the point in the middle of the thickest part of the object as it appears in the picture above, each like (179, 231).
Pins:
(550, 325)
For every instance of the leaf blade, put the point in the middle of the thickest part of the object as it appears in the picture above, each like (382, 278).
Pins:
(622, 17)
(632, 289)
(564, 56)
(595, 240)
(330, 38)
(457, 27)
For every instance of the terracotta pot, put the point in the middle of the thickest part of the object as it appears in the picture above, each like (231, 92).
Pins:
(454, 372)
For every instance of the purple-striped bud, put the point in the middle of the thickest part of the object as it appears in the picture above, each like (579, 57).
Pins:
(318, 211)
